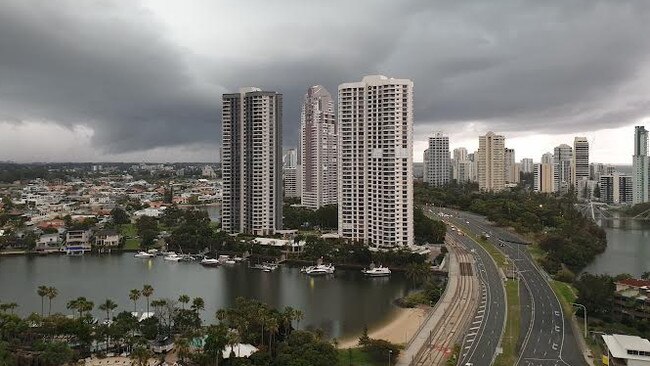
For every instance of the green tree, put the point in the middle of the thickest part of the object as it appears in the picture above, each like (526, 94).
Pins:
(108, 306)
(55, 353)
(198, 304)
(52, 293)
(418, 273)
(140, 356)
(134, 296)
(304, 348)
(42, 292)
(147, 291)
(147, 228)
(120, 217)
(596, 293)
(217, 339)
(184, 300)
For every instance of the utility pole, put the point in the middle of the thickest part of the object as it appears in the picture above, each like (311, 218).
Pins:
(584, 309)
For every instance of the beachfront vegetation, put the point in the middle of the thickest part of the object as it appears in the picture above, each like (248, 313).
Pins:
(569, 239)
(56, 339)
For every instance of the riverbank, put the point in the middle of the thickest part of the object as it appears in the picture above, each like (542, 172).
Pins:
(398, 329)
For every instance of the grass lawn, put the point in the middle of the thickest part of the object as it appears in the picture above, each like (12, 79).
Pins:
(129, 232)
(511, 334)
(565, 292)
(354, 357)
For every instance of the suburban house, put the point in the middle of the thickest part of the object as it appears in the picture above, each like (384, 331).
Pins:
(632, 299)
(107, 238)
(48, 242)
(78, 241)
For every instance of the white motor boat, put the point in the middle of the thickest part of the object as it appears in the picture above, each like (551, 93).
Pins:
(237, 259)
(173, 257)
(266, 266)
(318, 270)
(224, 259)
(380, 271)
(210, 262)
(144, 255)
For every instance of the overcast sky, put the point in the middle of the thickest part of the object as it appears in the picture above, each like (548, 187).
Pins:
(142, 80)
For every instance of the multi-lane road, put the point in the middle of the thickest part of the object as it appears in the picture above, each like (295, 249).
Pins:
(548, 339)
(482, 339)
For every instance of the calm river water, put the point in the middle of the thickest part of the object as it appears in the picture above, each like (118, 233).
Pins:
(628, 248)
(340, 305)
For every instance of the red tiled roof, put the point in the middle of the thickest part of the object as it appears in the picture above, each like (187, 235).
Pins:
(633, 282)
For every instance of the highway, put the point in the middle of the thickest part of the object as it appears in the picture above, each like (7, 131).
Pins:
(482, 338)
(548, 339)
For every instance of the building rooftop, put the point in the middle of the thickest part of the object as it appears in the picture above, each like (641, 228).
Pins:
(628, 347)
(633, 282)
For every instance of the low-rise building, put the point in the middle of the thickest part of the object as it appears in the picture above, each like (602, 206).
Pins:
(107, 238)
(631, 299)
(625, 350)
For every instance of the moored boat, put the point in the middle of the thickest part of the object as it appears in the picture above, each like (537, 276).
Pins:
(373, 271)
(319, 269)
(210, 262)
(144, 255)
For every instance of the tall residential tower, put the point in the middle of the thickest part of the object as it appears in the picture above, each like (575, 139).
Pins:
(640, 166)
(375, 192)
(491, 159)
(318, 149)
(437, 160)
(252, 162)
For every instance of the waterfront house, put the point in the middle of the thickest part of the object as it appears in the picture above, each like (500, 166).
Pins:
(48, 242)
(78, 241)
(632, 299)
(107, 238)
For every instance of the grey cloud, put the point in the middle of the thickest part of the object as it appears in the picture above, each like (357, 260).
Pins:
(549, 66)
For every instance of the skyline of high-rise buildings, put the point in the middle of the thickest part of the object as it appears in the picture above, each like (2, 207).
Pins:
(375, 199)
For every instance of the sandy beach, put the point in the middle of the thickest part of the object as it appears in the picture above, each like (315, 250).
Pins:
(398, 329)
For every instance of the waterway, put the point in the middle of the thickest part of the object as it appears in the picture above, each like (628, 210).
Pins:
(628, 248)
(340, 305)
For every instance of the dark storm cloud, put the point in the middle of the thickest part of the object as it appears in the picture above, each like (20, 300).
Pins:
(553, 66)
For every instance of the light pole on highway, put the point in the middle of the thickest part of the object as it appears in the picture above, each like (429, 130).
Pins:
(390, 351)
(584, 309)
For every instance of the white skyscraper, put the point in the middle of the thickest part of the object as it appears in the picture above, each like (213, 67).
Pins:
(491, 159)
(437, 162)
(547, 158)
(252, 162)
(375, 192)
(640, 167)
(461, 165)
(290, 158)
(562, 158)
(318, 149)
(543, 177)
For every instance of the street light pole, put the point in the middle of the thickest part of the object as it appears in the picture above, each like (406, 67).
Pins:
(390, 351)
(584, 309)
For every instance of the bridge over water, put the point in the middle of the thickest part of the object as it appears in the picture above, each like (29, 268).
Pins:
(600, 210)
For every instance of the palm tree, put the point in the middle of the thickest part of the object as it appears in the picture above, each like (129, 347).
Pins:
(182, 348)
(198, 304)
(73, 305)
(108, 306)
(8, 306)
(42, 292)
(147, 291)
(287, 318)
(221, 315)
(52, 292)
(80, 304)
(273, 327)
(298, 315)
(184, 299)
(233, 339)
(134, 295)
(140, 356)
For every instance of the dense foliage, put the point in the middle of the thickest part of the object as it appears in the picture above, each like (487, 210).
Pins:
(340, 252)
(296, 217)
(567, 237)
(427, 231)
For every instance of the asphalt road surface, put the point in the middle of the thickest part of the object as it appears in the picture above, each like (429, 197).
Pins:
(548, 339)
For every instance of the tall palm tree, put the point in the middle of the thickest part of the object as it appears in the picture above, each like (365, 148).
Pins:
(134, 295)
(8, 306)
(198, 304)
(42, 292)
(184, 299)
(233, 339)
(287, 319)
(52, 292)
(147, 291)
(273, 327)
(73, 305)
(108, 306)
(298, 315)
